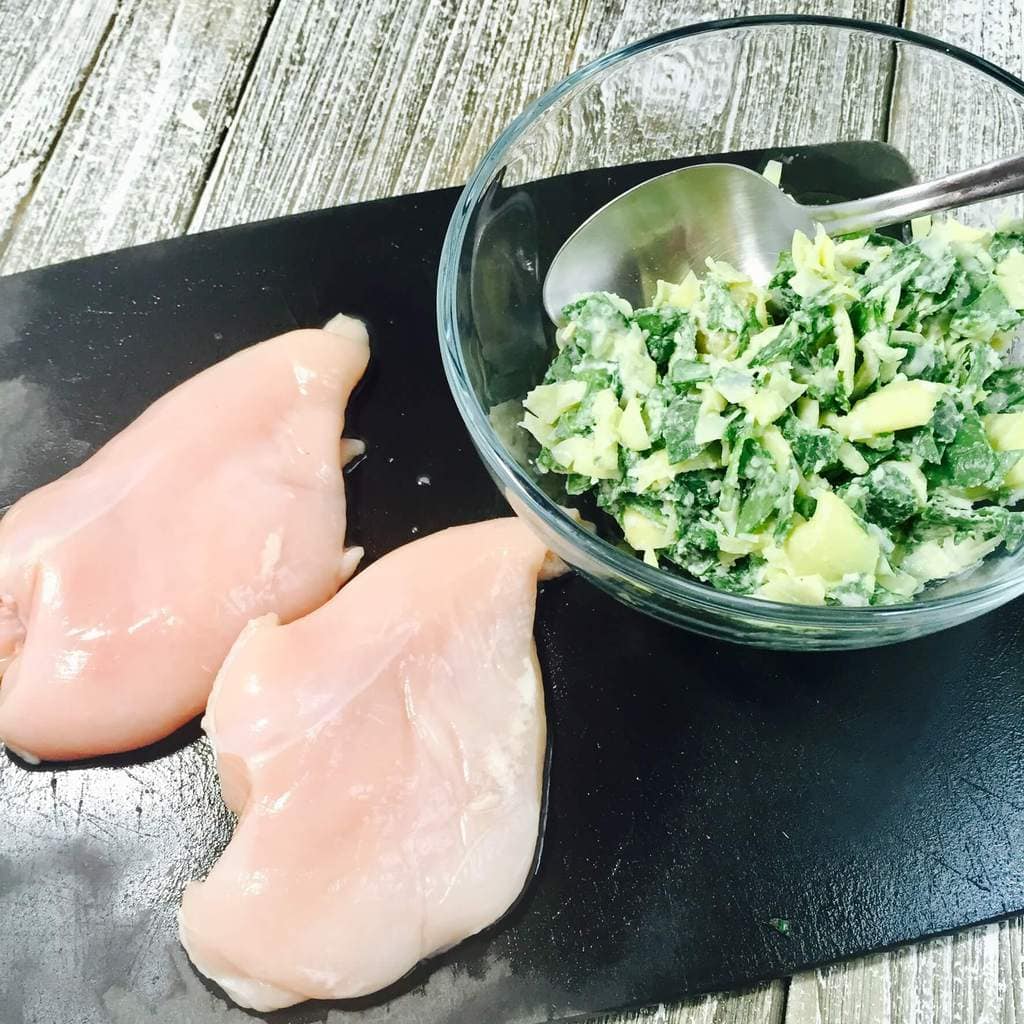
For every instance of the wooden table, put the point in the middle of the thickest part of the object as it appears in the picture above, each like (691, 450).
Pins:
(123, 121)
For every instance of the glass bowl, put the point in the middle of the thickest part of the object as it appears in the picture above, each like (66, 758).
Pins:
(900, 105)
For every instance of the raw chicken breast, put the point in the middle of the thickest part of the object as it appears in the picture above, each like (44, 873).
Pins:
(124, 583)
(385, 755)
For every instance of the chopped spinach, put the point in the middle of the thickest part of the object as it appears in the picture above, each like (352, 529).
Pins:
(864, 397)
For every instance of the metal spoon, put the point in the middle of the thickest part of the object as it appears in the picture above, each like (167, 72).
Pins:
(666, 226)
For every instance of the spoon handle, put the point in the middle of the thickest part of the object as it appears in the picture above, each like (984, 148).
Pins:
(990, 181)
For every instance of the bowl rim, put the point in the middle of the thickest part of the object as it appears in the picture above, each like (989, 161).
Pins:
(665, 583)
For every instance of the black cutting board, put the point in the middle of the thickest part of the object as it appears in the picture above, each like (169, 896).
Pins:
(697, 790)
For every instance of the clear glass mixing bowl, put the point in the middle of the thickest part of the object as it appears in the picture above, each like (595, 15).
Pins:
(777, 83)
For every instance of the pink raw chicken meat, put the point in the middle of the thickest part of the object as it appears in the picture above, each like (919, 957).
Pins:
(385, 755)
(124, 583)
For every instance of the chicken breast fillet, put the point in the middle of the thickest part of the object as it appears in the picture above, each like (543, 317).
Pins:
(385, 755)
(124, 583)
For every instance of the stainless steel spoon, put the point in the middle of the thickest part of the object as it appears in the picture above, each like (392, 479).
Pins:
(666, 226)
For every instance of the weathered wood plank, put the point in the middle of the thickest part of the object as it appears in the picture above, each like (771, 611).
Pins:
(763, 1005)
(974, 976)
(761, 88)
(369, 101)
(136, 150)
(944, 123)
(367, 98)
(46, 50)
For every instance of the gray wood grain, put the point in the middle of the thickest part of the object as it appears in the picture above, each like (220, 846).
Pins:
(132, 158)
(47, 48)
(973, 977)
(763, 1005)
(432, 83)
(945, 121)
(760, 88)
(366, 98)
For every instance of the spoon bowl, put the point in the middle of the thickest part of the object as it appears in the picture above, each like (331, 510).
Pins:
(670, 225)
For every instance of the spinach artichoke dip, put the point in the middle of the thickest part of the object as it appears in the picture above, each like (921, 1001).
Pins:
(844, 435)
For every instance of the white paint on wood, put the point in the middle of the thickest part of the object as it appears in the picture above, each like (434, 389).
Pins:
(945, 122)
(46, 50)
(364, 98)
(763, 1005)
(367, 99)
(974, 977)
(756, 88)
(134, 155)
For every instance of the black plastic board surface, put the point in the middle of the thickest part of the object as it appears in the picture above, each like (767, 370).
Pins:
(697, 790)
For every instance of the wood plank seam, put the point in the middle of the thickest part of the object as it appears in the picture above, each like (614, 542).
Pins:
(211, 162)
(572, 61)
(782, 1017)
(26, 201)
(127, 166)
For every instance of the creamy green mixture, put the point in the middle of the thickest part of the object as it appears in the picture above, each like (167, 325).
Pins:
(844, 435)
